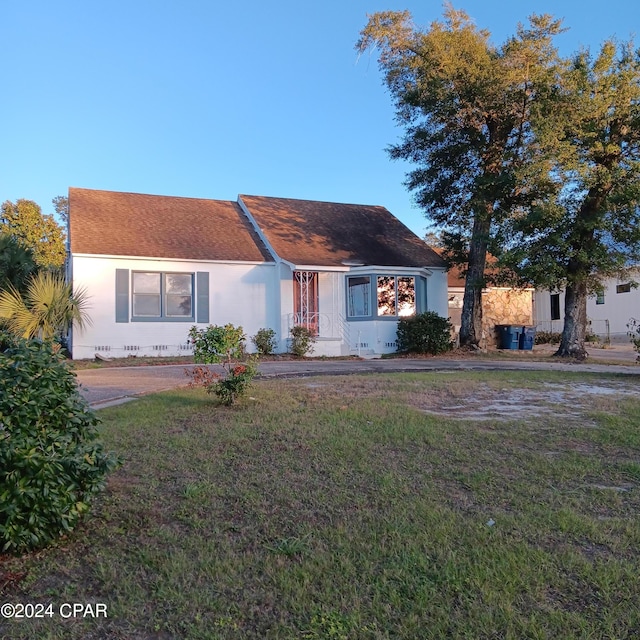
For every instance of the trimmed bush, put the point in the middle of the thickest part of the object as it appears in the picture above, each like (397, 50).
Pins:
(424, 333)
(51, 460)
(217, 344)
(265, 341)
(302, 340)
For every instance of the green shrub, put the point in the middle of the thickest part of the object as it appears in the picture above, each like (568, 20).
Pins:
(236, 382)
(51, 460)
(547, 337)
(424, 333)
(265, 341)
(302, 340)
(222, 345)
(217, 344)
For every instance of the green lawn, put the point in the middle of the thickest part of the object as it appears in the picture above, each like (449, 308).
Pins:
(431, 505)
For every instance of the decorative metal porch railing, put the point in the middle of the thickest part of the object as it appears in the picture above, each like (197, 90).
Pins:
(330, 326)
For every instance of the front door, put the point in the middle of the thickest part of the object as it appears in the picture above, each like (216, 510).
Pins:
(305, 300)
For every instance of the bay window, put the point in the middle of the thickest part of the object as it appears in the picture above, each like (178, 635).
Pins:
(395, 296)
(359, 296)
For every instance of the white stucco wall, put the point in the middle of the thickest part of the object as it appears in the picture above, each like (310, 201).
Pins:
(285, 293)
(617, 310)
(330, 292)
(254, 296)
(437, 295)
(239, 293)
(373, 336)
(542, 311)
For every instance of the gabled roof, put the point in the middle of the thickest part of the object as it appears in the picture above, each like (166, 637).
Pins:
(134, 224)
(306, 232)
(302, 232)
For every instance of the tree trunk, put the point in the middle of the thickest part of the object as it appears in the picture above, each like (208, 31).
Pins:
(579, 268)
(471, 321)
(575, 322)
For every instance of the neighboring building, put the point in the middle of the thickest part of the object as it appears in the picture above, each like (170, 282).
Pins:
(154, 266)
(500, 305)
(608, 311)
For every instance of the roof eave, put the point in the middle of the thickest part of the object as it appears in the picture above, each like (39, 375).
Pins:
(316, 267)
(106, 256)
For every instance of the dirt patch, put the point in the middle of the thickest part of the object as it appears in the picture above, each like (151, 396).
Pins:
(567, 401)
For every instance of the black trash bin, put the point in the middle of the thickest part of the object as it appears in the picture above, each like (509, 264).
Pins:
(527, 338)
(509, 336)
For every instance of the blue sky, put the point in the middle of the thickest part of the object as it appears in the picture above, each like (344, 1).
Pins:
(205, 99)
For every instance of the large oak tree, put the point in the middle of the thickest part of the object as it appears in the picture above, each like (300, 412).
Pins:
(466, 107)
(24, 221)
(588, 143)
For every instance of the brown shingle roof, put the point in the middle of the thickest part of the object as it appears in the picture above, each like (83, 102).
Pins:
(306, 232)
(133, 224)
(455, 277)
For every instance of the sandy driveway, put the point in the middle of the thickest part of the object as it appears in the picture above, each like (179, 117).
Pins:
(107, 386)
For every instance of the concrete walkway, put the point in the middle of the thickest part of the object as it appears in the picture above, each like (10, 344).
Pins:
(114, 385)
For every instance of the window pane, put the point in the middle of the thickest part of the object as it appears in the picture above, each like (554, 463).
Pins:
(386, 296)
(162, 295)
(178, 306)
(178, 284)
(359, 294)
(406, 296)
(146, 305)
(555, 306)
(146, 283)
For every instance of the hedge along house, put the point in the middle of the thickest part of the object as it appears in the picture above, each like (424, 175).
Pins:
(153, 266)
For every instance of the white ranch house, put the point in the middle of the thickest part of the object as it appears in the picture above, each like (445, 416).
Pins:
(608, 311)
(154, 266)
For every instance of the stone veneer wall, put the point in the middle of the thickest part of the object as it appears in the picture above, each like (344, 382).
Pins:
(505, 306)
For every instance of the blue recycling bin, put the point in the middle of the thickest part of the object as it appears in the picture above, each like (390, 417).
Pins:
(509, 336)
(527, 338)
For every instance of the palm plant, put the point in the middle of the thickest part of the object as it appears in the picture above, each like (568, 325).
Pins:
(47, 309)
(16, 263)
